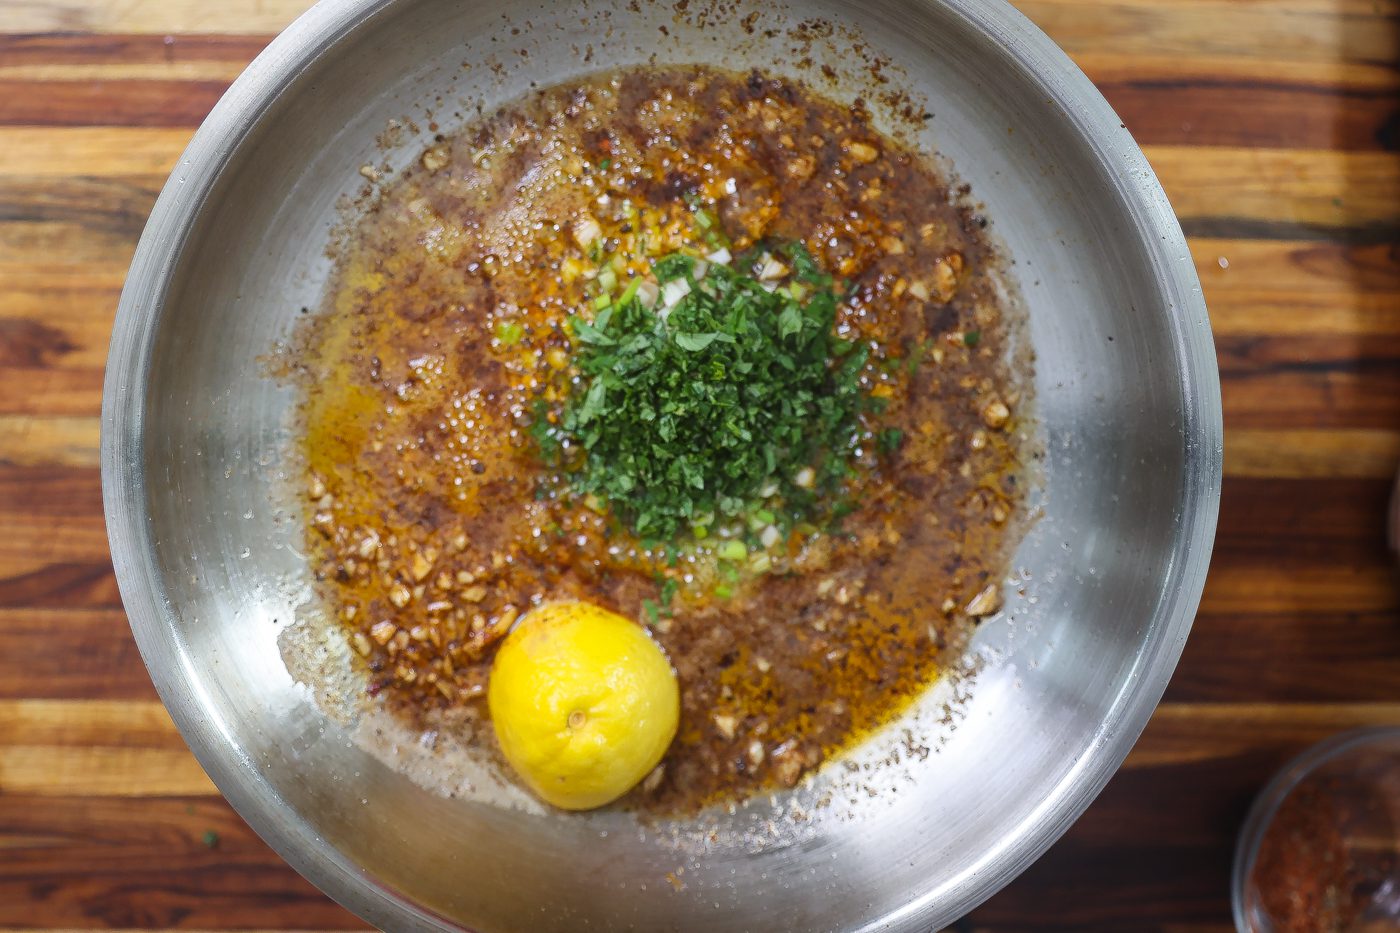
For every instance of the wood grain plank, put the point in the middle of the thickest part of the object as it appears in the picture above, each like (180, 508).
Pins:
(72, 654)
(1239, 312)
(80, 219)
(1249, 101)
(1300, 548)
(1272, 587)
(1300, 454)
(143, 863)
(1221, 112)
(1282, 288)
(1184, 733)
(168, 17)
(52, 495)
(1347, 657)
(38, 154)
(1229, 771)
(1109, 66)
(1298, 30)
(97, 100)
(59, 496)
(54, 536)
(165, 49)
(1322, 519)
(58, 392)
(35, 541)
(1327, 268)
(119, 71)
(36, 241)
(100, 771)
(69, 584)
(1303, 653)
(62, 441)
(96, 748)
(1281, 193)
(1310, 381)
(42, 339)
(87, 723)
(117, 204)
(1135, 884)
(55, 324)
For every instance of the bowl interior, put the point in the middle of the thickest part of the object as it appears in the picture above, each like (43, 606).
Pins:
(1109, 577)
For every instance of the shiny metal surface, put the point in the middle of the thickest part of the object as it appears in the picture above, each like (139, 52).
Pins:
(195, 440)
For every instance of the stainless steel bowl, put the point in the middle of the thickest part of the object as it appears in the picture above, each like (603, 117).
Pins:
(195, 441)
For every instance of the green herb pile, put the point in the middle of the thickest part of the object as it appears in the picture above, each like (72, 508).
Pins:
(737, 408)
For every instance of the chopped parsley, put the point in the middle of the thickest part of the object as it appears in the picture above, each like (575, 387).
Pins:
(730, 404)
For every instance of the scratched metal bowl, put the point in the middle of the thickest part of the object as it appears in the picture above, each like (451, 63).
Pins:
(195, 440)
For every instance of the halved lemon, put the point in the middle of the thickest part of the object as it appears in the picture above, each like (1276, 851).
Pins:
(584, 703)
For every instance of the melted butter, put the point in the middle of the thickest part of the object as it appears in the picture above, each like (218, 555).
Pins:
(437, 523)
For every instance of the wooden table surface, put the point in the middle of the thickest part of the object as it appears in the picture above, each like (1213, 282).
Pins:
(1274, 126)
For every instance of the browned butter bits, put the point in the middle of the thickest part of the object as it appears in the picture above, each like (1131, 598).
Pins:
(434, 522)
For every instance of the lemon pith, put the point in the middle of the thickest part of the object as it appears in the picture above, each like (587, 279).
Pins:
(583, 702)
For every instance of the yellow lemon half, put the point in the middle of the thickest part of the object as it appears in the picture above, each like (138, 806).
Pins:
(584, 703)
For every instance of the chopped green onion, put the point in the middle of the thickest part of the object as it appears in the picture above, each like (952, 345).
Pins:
(732, 550)
(509, 332)
(758, 391)
(633, 287)
(607, 279)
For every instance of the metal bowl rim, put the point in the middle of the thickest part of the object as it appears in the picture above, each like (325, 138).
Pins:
(153, 623)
